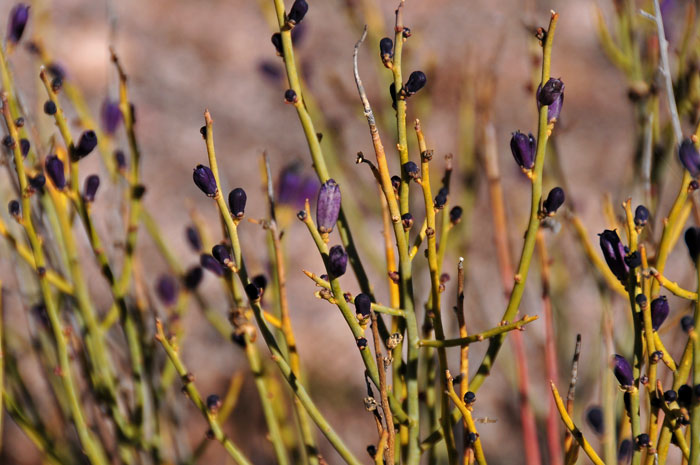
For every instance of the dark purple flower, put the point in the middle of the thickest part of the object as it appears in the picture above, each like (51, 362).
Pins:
(396, 183)
(24, 147)
(193, 238)
(392, 94)
(363, 305)
(624, 454)
(277, 42)
(212, 264)
(411, 170)
(111, 116)
(120, 160)
(19, 15)
(14, 208)
(614, 254)
(86, 144)
(56, 70)
(92, 183)
(690, 157)
(54, 170)
(687, 323)
(260, 282)
(386, 49)
(552, 90)
(297, 11)
(167, 290)
(594, 417)
(222, 255)
(193, 277)
(685, 395)
(523, 148)
(290, 96)
(213, 403)
(554, 200)
(37, 182)
(659, 311)
(456, 215)
(692, 240)
(327, 206)
(554, 108)
(416, 81)
(253, 292)
(50, 108)
(236, 202)
(641, 216)
(337, 261)
(623, 371)
(204, 179)
(441, 198)
(407, 221)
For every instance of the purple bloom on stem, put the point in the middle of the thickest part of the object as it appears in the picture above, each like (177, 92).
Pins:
(120, 160)
(554, 200)
(690, 157)
(86, 144)
(554, 108)
(552, 90)
(614, 254)
(212, 264)
(24, 146)
(623, 371)
(363, 305)
(13, 208)
(297, 11)
(54, 170)
(594, 417)
(193, 277)
(111, 116)
(337, 261)
(327, 206)
(523, 148)
(167, 290)
(204, 179)
(17, 22)
(641, 216)
(236, 202)
(92, 183)
(416, 81)
(193, 238)
(222, 254)
(692, 240)
(659, 311)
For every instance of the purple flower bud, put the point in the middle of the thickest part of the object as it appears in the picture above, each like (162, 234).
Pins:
(204, 179)
(687, 323)
(337, 261)
(411, 170)
(659, 311)
(166, 289)
(236, 202)
(213, 403)
(554, 108)
(392, 94)
(54, 170)
(386, 49)
(614, 254)
(396, 182)
(554, 200)
(193, 238)
(277, 42)
(86, 144)
(111, 116)
(441, 198)
(56, 84)
(19, 15)
(523, 148)
(690, 157)
(641, 216)
(624, 453)
(552, 90)
(290, 96)
(260, 282)
(298, 11)
(37, 182)
(594, 417)
(120, 160)
(416, 81)
(92, 183)
(222, 255)
(56, 70)
(253, 292)
(407, 221)
(692, 240)
(8, 141)
(363, 305)
(193, 277)
(456, 215)
(623, 371)
(50, 108)
(14, 208)
(212, 264)
(327, 206)
(24, 147)
(643, 440)
(685, 395)
(361, 343)
(670, 396)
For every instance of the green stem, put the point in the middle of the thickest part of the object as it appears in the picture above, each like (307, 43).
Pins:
(489, 334)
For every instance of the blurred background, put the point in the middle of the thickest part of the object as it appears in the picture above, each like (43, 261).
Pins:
(481, 60)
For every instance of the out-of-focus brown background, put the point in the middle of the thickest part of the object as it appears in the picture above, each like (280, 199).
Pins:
(183, 57)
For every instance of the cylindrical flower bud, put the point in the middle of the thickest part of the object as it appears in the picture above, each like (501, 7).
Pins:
(623, 371)
(56, 84)
(407, 221)
(687, 323)
(396, 183)
(690, 157)
(290, 96)
(363, 305)
(456, 215)
(54, 170)
(37, 182)
(386, 49)
(14, 208)
(204, 179)
(19, 15)
(659, 311)
(692, 240)
(327, 206)
(416, 81)
(193, 238)
(641, 216)
(411, 170)
(260, 282)
(392, 94)
(614, 254)
(277, 42)
(594, 417)
(624, 453)
(297, 11)
(24, 147)
(120, 160)
(523, 148)
(236, 202)
(167, 290)
(212, 264)
(110, 116)
(253, 292)
(213, 403)
(337, 261)
(643, 440)
(222, 255)
(554, 200)
(50, 108)
(552, 90)
(670, 396)
(92, 183)
(469, 398)
(193, 277)
(86, 144)
(441, 198)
